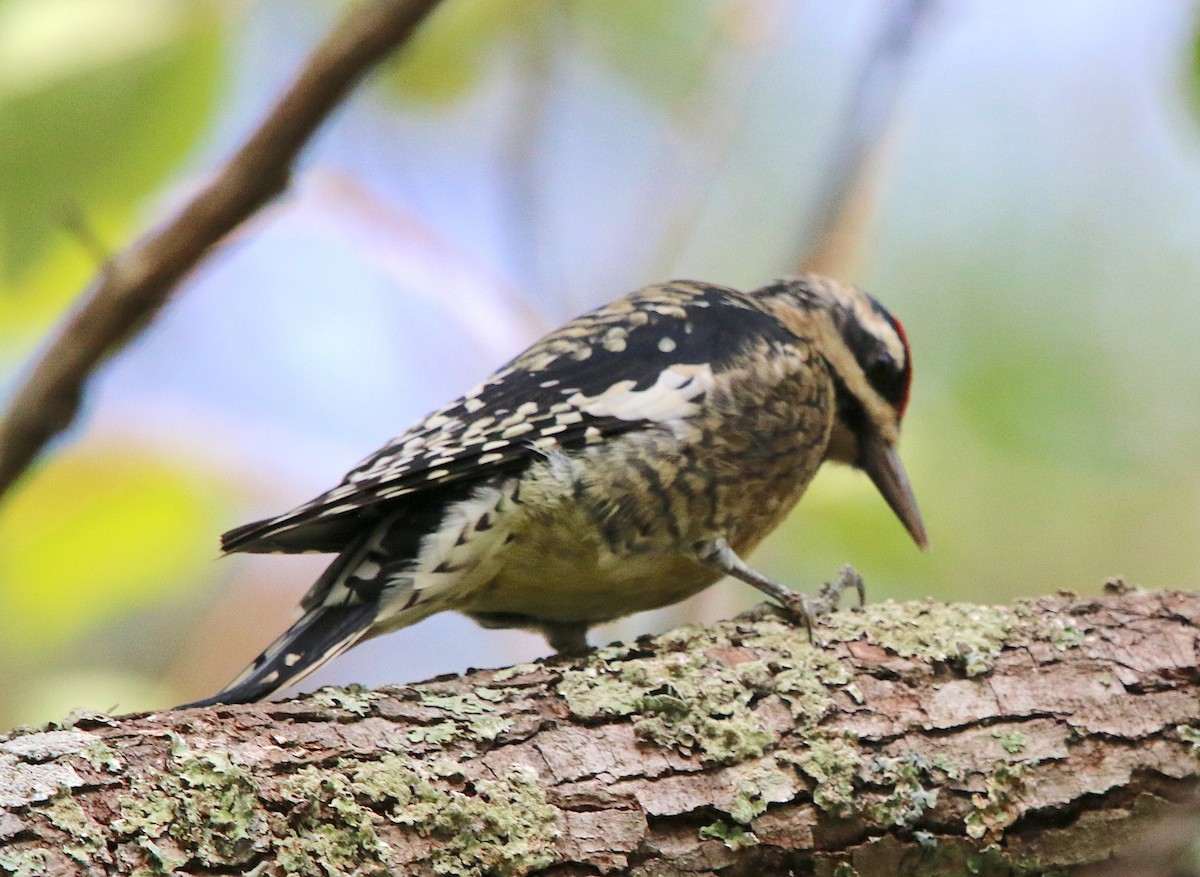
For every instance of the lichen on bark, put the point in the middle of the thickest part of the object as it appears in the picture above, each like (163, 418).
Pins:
(917, 737)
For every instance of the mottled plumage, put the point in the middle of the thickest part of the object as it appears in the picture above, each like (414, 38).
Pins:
(622, 463)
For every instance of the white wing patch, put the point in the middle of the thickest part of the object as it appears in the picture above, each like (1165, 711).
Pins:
(673, 395)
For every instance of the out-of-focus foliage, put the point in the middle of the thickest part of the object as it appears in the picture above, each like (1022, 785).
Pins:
(1036, 229)
(628, 36)
(94, 535)
(99, 100)
(89, 541)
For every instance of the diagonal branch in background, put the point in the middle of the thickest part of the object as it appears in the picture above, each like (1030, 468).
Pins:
(136, 282)
(847, 195)
(915, 738)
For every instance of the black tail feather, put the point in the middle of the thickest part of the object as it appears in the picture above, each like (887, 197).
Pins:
(321, 634)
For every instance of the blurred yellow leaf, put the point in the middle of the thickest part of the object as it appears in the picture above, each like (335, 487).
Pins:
(97, 533)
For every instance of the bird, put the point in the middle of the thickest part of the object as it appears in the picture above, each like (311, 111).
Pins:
(625, 461)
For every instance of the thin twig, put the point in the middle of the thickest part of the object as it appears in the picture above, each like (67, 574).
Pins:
(136, 282)
(521, 151)
(846, 198)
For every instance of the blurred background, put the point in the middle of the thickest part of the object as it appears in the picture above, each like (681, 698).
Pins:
(1029, 206)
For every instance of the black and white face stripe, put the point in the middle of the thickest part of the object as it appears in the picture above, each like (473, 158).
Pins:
(871, 337)
(881, 349)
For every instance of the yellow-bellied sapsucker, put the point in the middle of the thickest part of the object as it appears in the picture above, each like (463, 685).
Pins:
(625, 461)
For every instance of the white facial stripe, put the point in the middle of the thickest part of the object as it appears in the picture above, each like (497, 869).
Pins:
(855, 300)
(881, 329)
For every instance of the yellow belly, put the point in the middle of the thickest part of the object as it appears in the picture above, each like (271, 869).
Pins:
(571, 587)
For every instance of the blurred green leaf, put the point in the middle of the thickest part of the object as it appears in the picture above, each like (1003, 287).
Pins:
(660, 47)
(93, 534)
(1042, 399)
(47, 286)
(89, 122)
(447, 57)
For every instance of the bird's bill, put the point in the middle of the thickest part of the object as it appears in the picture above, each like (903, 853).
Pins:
(879, 460)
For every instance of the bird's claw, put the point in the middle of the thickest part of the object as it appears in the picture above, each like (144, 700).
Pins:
(830, 595)
(805, 610)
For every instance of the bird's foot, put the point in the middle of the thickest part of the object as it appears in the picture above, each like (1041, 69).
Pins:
(805, 610)
(829, 598)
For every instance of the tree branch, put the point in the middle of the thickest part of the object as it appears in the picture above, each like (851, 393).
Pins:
(847, 199)
(134, 284)
(955, 738)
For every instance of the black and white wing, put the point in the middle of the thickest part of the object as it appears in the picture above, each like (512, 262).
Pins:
(646, 358)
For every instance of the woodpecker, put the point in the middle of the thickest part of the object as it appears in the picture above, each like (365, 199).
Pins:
(624, 462)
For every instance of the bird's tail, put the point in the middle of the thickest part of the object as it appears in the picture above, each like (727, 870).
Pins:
(326, 628)
(322, 633)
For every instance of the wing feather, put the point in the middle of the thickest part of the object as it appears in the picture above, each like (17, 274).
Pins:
(643, 359)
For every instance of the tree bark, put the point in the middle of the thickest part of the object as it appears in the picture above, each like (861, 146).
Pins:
(919, 737)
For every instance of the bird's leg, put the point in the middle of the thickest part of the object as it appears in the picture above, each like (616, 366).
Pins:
(718, 554)
(566, 637)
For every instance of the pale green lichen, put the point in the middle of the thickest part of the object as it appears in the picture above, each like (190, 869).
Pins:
(833, 762)
(1189, 734)
(999, 806)
(474, 710)
(768, 782)
(1058, 630)
(946, 766)
(516, 670)
(687, 696)
(81, 716)
(959, 633)
(1013, 743)
(353, 698)
(24, 863)
(681, 699)
(734, 836)
(205, 802)
(805, 682)
(438, 732)
(500, 827)
(86, 841)
(908, 799)
(1066, 636)
(101, 756)
(332, 834)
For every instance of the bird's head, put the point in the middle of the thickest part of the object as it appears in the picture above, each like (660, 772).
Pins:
(868, 356)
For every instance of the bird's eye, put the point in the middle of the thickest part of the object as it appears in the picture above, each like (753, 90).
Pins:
(881, 371)
(886, 377)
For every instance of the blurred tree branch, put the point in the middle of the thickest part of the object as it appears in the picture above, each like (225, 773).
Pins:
(849, 187)
(136, 282)
(919, 737)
